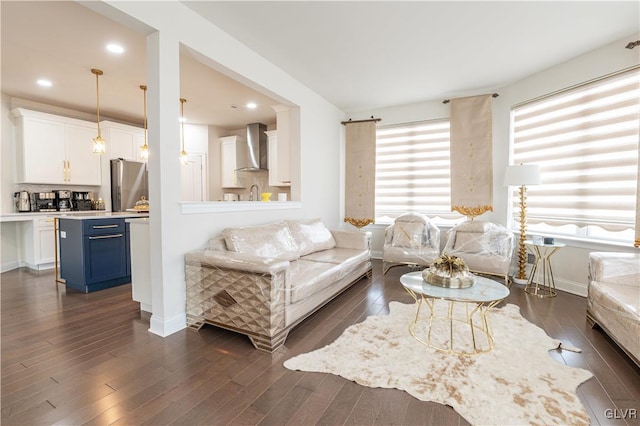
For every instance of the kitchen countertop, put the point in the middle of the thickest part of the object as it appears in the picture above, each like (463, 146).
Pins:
(104, 215)
(88, 214)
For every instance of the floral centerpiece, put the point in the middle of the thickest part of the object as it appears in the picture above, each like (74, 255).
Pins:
(449, 271)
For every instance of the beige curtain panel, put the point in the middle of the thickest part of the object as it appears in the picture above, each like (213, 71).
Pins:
(360, 164)
(471, 155)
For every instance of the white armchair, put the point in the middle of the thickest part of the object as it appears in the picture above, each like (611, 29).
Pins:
(411, 240)
(485, 247)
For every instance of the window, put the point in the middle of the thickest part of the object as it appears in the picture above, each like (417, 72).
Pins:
(586, 143)
(412, 171)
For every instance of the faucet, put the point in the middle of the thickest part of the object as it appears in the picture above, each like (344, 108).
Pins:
(251, 192)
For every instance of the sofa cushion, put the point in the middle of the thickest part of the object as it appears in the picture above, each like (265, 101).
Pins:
(309, 277)
(311, 236)
(273, 241)
(345, 257)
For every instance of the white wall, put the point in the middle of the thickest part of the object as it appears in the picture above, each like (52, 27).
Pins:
(569, 263)
(173, 233)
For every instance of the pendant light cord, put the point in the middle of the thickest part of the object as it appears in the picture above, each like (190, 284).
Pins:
(144, 88)
(98, 73)
(182, 101)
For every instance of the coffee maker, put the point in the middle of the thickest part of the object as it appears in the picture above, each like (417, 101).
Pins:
(81, 201)
(63, 200)
(23, 202)
(43, 202)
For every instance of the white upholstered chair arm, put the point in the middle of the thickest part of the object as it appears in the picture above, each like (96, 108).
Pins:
(352, 239)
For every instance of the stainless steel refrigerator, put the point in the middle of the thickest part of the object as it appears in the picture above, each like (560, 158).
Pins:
(129, 182)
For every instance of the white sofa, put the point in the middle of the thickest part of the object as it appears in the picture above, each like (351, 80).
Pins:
(613, 300)
(262, 281)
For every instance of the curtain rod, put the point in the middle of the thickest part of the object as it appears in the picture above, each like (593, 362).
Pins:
(493, 95)
(344, 123)
(576, 86)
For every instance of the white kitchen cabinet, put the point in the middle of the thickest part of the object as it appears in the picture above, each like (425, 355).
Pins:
(41, 156)
(280, 148)
(38, 241)
(279, 171)
(123, 141)
(229, 158)
(83, 166)
(55, 150)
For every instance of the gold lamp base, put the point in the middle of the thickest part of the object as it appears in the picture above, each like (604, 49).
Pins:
(522, 250)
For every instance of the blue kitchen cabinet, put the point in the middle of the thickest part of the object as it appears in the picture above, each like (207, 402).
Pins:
(94, 253)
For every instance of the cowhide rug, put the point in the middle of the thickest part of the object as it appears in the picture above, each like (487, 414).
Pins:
(516, 383)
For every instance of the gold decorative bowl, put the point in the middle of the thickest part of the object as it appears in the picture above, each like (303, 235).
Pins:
(449, 271)
(447, 282)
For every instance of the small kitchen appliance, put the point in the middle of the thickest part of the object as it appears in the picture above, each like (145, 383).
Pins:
(63, 200)
(23, 201)
(230, 196)
(43, 202)
(81, 201)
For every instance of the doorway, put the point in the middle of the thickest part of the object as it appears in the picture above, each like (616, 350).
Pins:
(193, 178)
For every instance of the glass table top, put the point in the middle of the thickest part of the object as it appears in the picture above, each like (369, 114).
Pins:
(484, 290)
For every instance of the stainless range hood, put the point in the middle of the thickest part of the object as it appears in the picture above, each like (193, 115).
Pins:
(252, 155)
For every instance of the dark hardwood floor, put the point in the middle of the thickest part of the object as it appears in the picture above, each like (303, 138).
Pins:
(70, 358)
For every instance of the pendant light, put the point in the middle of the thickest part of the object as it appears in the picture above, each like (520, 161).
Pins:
(144, 149)
(99, 144)
(183, 153)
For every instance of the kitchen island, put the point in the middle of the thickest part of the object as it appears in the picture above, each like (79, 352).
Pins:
(94, 250)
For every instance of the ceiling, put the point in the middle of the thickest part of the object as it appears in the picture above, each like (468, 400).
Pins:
(358, 55)
(65, 49)
(361, 55)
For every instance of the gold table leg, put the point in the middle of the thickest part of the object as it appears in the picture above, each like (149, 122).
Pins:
(482, 326)
(542, 286)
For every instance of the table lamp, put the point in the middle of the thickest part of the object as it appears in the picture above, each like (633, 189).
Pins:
(522, 175)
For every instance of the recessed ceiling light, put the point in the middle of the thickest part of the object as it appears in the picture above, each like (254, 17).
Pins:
(115, 48)
(44, 83)
(252, 105)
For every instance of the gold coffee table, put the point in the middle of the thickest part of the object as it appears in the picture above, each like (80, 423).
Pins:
(465, 318)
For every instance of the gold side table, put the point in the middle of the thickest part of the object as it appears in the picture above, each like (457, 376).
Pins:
(541, 282)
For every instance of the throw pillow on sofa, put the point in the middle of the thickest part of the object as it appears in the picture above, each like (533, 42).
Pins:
(273, 241)
(311, 236)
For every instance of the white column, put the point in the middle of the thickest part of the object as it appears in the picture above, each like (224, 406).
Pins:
(167, 262)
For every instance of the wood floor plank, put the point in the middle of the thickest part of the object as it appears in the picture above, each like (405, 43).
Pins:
(342, 405)
(70, 358)
(418, 413)
(366, 409)
(286, 408)
(393, 408)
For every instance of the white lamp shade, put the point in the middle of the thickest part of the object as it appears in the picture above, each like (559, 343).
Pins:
(522, 174)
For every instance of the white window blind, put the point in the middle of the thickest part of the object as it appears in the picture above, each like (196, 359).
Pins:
(412, 170)
(586, 143)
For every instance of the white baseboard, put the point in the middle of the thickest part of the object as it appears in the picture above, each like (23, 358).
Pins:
(573, 287)
(164, 328)
(9, 266)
